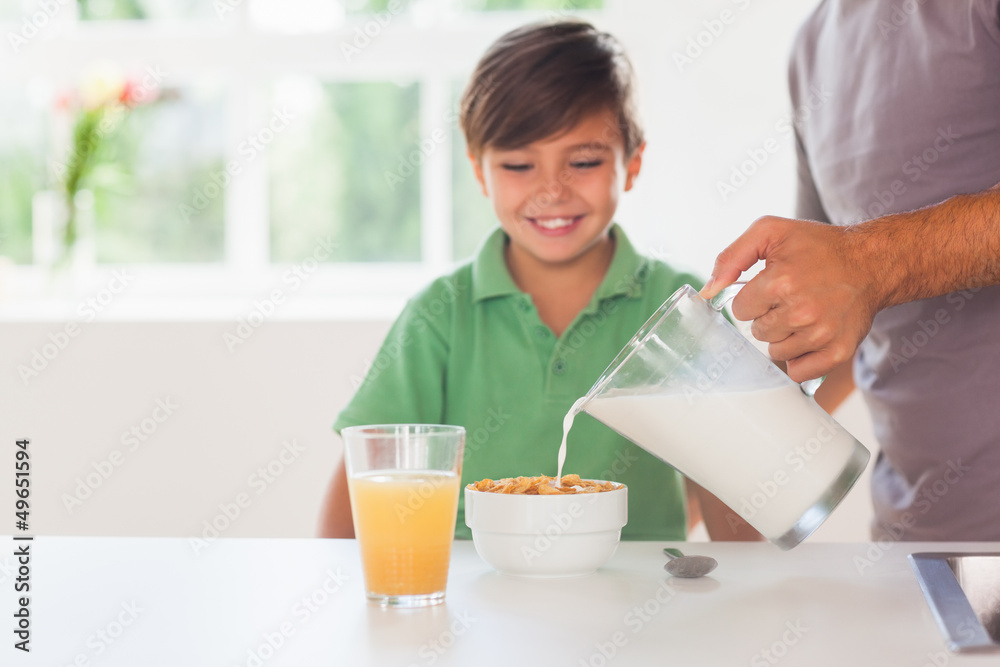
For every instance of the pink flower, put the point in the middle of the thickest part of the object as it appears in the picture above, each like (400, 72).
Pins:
(102, 85)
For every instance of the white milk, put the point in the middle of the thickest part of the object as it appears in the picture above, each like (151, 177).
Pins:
(567, 425)
(767, 454)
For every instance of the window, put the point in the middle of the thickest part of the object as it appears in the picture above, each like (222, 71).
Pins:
(372, 6)
(104, 10)
(164, 154)
(573, 5)
(23, 146)
(264, 135)
(360, 185)
(472, 213)
(11, 10)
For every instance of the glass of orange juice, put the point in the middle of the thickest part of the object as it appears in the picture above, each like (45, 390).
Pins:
(404, 483)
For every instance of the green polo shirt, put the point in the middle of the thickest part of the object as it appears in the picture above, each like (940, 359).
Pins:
(471, 350)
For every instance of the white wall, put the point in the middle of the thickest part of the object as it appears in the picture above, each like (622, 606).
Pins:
(702, 118)
(234, 410)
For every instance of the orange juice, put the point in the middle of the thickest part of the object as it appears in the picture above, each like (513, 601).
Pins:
(405, 523)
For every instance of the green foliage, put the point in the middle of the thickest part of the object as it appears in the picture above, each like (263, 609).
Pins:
(87, 140)
(21, 174)
(95, 10)
(329, 176)
(22, 171)
(126, 10)
(471, 212)
(156, 160)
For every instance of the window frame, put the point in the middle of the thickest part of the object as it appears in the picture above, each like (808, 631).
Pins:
(250, 61)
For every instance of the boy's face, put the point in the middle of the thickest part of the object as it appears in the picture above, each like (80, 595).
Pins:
(555, 198)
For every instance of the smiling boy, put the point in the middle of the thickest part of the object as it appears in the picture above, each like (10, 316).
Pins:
(555, 199)
(505, 344)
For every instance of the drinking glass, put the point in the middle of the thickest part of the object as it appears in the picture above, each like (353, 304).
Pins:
(404, 482)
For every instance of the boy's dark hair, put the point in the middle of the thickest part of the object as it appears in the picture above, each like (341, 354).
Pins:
(542, 79)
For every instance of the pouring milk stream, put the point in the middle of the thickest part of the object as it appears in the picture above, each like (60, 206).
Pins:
(692, 391)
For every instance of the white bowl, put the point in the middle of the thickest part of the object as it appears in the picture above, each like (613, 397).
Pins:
(546, 536)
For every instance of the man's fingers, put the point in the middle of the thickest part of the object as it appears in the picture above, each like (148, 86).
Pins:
(793, 346)
(720, 280)
(741, 254)
(806, 360)
(767, 328)
(811, 366)
(756, 301)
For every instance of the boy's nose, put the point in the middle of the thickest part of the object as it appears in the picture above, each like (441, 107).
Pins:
(553, 190)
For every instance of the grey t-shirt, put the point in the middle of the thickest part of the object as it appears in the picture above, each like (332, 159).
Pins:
(898, 107)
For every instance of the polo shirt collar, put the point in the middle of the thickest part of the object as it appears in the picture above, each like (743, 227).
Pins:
(490, 277)
(627, 271)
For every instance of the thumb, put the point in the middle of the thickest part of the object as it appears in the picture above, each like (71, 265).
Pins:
(753, 245)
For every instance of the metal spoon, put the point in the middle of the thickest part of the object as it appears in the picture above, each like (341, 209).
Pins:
(688, 567)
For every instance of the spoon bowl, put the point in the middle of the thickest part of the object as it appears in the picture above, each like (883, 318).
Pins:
(688, 567)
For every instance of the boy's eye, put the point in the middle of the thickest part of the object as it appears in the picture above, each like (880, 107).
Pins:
(586, 164)
(516, 166)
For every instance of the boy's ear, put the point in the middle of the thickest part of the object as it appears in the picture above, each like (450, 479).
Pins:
(477, 168)
(633, 166)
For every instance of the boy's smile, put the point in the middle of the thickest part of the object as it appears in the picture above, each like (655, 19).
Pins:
(555, 226)
(555, 198)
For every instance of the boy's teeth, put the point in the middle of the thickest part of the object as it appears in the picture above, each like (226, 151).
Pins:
(555, 223)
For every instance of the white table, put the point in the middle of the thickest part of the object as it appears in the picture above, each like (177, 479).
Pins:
(145, 602)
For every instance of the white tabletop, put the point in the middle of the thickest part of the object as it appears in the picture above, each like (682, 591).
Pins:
(144, 602)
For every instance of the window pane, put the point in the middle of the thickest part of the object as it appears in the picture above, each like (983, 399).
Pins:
(370, 6)
(22, 170)
(155, 197)
(104, 10)
(11, 10)
(295, 16)
(554, 5)
(336, 171)
(472, 213)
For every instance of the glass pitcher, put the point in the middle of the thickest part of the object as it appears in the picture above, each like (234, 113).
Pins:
(690, 389)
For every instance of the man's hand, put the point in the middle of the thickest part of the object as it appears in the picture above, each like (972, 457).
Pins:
(815, 300)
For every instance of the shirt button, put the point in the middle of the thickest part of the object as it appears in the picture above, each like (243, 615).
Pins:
(523, 306)
(541, 332)
(559, 367)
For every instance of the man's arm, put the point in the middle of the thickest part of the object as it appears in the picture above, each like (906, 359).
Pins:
(837, 386)
(693, 505)
(822, 286)
(722, 523)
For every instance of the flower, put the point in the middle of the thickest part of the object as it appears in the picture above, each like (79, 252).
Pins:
(103, 85)
(100, 104)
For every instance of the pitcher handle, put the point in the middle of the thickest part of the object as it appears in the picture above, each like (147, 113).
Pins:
(809, 387)
(727, 294)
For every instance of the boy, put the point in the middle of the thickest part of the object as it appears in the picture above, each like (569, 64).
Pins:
(504, 345)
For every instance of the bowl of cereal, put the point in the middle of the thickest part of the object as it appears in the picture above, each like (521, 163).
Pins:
(538, 527)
